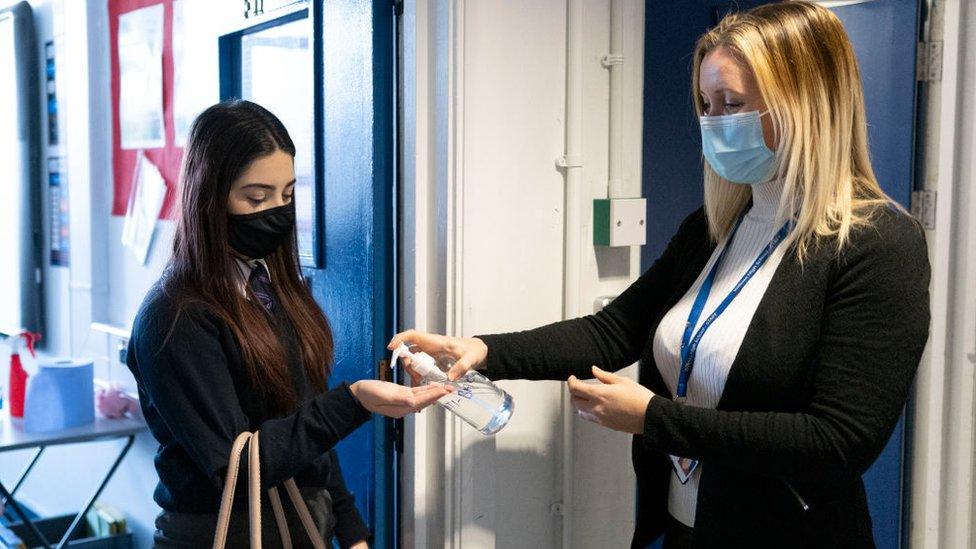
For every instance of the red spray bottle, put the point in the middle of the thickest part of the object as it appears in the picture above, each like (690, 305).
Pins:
(18, 376)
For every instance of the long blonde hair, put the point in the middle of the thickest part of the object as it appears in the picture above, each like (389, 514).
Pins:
(808, 75)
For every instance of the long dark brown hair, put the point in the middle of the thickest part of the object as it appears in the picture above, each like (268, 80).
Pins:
(223, 141)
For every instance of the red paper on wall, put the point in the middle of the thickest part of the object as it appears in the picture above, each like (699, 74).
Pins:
(166, 158)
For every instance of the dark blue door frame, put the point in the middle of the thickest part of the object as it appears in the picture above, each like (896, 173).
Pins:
(356, 286)
(884, 34)
(354, 165)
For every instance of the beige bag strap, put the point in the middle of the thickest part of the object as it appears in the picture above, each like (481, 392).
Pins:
(230, 484)
(303, 514)
(254, 499)
(279, 513)
(254, 490)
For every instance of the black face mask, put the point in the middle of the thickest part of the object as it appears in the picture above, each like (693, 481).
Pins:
(261, 233)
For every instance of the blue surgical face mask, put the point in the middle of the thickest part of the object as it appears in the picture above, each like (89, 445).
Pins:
(734, 147)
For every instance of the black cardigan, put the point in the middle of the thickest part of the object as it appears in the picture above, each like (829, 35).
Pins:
(196, 398)
(819, 382)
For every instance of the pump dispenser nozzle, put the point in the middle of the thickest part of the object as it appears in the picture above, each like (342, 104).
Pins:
(422, 363)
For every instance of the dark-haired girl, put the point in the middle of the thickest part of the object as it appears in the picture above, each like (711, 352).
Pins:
(231, 340)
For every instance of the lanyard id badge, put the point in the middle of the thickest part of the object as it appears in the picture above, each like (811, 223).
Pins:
(685, 467)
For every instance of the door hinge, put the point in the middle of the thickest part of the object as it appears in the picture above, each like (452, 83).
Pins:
(923, 208)
(928, 62)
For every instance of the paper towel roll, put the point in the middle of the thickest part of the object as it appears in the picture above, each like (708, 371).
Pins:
(61, 395)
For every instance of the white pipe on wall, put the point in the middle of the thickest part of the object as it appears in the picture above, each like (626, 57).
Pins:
(573, 238)
(615, 63)
(456, 487)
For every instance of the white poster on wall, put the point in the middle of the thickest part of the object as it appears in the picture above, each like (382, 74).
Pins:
(183, 109)
(141, 78)
(145, 204)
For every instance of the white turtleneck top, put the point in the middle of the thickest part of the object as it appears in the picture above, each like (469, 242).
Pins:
(720, 344)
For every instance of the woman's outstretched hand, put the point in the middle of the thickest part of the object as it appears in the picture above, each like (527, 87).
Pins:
(617, 402)
(468, 352)
(392, 400)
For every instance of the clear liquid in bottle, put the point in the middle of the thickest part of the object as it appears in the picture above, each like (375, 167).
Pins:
(479, 402)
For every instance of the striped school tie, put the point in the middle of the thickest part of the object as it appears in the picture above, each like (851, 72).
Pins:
(260, 282)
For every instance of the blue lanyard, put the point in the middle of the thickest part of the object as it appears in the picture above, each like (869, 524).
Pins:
(689, 344)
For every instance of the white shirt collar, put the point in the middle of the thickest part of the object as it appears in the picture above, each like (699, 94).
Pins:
(245, 266)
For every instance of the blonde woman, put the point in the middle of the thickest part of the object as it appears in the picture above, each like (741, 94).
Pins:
(781, 329)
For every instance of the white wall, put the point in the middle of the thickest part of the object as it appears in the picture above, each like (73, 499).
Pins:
(510, 199)
(497, 72)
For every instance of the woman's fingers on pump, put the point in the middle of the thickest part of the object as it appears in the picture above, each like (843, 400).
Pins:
(400, 338)
(418, 340)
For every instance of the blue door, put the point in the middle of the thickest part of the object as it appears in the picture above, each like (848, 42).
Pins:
(355, 286)
(884, 35)
(327, 71)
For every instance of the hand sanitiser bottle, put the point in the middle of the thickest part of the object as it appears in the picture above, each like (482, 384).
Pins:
(475, 399)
